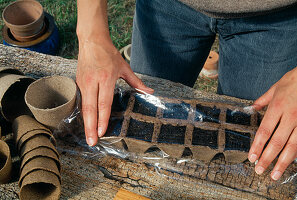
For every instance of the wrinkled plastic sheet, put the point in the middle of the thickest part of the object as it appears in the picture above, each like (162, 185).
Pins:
(192, 137)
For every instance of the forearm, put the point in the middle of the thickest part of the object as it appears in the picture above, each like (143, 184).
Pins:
(92, 22)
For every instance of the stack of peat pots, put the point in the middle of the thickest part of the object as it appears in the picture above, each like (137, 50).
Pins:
(35, 109)
(50, 99)
(28, 26)
(5, 161)
(40, 166)
(13, 85)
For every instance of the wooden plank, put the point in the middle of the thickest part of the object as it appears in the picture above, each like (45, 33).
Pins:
(123, 194)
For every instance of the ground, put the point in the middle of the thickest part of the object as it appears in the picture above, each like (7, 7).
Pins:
(120, 17)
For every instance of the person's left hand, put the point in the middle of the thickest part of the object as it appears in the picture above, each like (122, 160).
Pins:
(279, 123)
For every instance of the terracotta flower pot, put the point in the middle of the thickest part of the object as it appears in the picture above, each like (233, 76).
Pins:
(47, 42)
(210, 68)
(30, 38)
(24, 18)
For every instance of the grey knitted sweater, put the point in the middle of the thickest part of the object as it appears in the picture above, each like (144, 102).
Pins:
(237, 8)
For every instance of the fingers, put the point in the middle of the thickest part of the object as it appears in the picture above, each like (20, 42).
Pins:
(134, 81)
(106, 92)
(268, 124)
(264, 99)
(282, 109)
(89, 111)
(287, 156)
(276, 144)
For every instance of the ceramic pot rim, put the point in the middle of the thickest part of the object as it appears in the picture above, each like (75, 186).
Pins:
(16, 2)
(50, 26)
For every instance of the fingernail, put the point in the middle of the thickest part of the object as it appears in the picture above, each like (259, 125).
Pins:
(256, 162)
(91, 141)
(253, 158)
(150, 89)
(276, 175)
(100, 131)
(256, 106)
(259, 170)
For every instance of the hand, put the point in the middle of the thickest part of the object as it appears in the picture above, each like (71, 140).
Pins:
(279, 123)
(97, 72)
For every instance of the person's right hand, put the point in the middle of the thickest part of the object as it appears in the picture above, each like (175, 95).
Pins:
(99, 67)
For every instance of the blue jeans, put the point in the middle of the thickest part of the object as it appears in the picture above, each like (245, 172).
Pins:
(172, 41)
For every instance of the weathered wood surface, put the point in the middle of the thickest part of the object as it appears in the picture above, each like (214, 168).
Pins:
(86, 177)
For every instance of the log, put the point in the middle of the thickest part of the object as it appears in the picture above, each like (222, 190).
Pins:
(90, 175)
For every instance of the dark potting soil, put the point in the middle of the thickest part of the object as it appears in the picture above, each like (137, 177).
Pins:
(144, 107)
(259, 119)
(172, 134)
(114, 126)
(120, 102)
(176, 111)
(237, 117)
(237, 140)
(140, 130)
(207, 114)
(205, 138)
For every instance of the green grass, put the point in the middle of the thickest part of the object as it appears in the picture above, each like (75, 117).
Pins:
(64, 11)
(120, 17)
(206, 84)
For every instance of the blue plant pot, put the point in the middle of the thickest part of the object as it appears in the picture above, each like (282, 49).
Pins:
(48, 43)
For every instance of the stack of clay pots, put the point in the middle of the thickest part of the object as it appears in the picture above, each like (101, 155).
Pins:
(28, 26)
(40, 166)
(5, 161)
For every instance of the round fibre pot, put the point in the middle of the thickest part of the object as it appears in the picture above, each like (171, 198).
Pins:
(51, 99)
(32, 134)
(24, 18)
(10, 70)
(5, 163)
(25, 124)
(12, 92)
(37, 142)
(41, 185)
(39, 163)
(41, 152)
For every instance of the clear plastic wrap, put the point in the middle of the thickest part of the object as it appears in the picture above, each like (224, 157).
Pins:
(197, 138)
